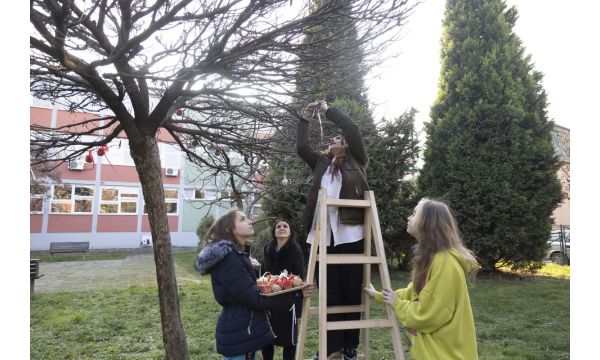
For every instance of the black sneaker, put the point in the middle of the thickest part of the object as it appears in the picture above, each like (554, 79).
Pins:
(315, 356)
(349, 354)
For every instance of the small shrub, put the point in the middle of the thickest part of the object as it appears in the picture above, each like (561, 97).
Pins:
(203, 227)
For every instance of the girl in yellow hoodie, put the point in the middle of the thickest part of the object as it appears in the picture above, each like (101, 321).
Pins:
(435, 306)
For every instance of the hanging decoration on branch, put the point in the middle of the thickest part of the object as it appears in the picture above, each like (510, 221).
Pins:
(102, 151)
(285, 181)
(89, 158)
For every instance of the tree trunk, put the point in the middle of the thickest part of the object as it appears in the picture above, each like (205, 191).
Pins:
(147, 163)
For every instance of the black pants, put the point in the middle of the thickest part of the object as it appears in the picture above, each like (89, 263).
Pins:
(289, 352)
(344, 287)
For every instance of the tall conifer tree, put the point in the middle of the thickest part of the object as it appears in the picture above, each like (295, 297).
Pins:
(391, 145)
(489, 151)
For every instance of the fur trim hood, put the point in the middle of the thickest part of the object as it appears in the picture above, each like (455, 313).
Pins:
(212, 254)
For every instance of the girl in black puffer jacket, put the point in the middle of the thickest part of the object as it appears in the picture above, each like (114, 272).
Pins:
(243, 327)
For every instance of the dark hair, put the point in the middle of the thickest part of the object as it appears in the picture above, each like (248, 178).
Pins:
(292, 231)
(222, 228)
(339, 159)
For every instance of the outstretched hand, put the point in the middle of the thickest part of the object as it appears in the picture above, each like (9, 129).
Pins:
(323, 106)
(370, 290)
(309, 110)
(307, 291)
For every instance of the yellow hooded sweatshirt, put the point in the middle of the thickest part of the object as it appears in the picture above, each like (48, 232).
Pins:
(440, 314)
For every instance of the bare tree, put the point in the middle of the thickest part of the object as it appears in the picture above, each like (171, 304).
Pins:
(229, 63)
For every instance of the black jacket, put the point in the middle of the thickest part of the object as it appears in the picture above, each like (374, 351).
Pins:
(354, 178)
(289, 258)
(243, 324)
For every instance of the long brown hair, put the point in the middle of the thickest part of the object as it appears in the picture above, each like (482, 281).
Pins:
(436, 230)
(222, 228)
(340, 159)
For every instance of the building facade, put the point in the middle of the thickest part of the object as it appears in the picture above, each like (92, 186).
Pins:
(561, 139)
(102, 202)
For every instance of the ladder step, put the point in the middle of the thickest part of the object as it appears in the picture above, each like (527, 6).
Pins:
(338, 356)
(314, 310)
(349, 203)
(359, 324)
(352, 259)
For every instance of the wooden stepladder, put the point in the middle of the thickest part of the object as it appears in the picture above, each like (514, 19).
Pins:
(371, 226)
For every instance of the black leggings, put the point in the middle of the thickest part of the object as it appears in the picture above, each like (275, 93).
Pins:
(344, 287)
(289, 352)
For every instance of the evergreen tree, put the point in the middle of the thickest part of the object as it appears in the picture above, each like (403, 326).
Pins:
(489, 151)
(341, 83)
(392, 156)
(391, 146)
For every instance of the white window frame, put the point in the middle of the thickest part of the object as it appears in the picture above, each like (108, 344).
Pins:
(256, 208)
(73, 199)
(120, 199)
(202, 191)
(33, 196)
(210, 194)
(227, 199)
(174, 200)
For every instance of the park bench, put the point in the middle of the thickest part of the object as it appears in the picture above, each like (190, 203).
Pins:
(34, 273)
(69, 247)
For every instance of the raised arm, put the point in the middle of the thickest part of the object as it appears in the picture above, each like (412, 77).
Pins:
(352, 134)
(303, 148)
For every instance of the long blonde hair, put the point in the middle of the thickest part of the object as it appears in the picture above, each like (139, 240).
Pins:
(436, 230)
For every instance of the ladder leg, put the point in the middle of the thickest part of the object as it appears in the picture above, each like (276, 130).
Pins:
(323, 277)
(310, 279)
(385, 278)
(367, 278)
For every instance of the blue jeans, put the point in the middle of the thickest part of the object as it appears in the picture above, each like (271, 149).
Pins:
(239, 357)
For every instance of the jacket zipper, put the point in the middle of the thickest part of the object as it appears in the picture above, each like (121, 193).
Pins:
(250, 323)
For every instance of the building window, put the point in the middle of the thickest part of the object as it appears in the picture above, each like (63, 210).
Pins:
(37, 193)
(72, 199)
(256, 212)
(226, 198)
(226, 195)
(171, 199)
(199, 194)
(118, 200)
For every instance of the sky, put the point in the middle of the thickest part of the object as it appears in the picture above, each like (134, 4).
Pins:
(411, 78)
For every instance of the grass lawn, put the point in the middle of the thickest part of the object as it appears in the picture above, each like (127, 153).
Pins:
(516, 318)
(45, 256)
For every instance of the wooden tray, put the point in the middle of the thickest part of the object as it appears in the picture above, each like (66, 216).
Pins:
(286, 291)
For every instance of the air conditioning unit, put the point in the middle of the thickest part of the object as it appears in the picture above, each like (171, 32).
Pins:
(76, 164)
(171, 171)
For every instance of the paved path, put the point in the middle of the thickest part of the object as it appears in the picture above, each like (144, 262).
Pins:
(136, 269)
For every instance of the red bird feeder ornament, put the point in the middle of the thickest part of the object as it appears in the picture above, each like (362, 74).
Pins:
(89, 158)
(102, 150)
